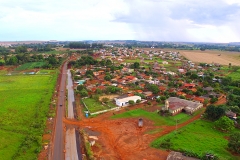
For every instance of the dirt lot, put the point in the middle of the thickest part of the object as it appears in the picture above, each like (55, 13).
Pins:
(213, 57)
(121, 139)
(109, 97)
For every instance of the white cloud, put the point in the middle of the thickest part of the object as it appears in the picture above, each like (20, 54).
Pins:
(160, 20)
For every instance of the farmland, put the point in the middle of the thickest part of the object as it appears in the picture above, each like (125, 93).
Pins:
(188, 138)
(213, 57)
(24, 106)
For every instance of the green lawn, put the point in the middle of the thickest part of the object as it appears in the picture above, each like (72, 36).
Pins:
(45, 71)
(155, 117)
(23, 112)
(198, 137)
(93, 105)
(30, 65)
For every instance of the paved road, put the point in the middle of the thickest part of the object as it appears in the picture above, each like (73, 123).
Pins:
(71, 145)
(71, 99)
(58, 143)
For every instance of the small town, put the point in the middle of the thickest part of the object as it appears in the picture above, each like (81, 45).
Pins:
(120, 80)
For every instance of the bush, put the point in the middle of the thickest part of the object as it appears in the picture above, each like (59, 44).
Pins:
(166, 144)
(138, 101)
(105, 99)
(234, 142)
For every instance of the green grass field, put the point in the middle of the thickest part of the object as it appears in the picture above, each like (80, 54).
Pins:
(30, 65)
(155, 117)
(23, 112)
(235, 75)
(45, 71)
(93, 105)
(198, 137)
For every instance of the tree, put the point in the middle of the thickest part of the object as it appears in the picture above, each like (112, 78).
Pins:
(138, 101)
(2, 63)
(214, 113)
(158, 100)
(98, 91)
(83, 93)
(213, 100)
(80, 87)
(163, 98)
(154, 88)
(131, 102)
(12, 60)
(234, 142)
(136, 65)
(194, 76)
(224, 124)
(107, 77)
(108, 62)
(21, 49)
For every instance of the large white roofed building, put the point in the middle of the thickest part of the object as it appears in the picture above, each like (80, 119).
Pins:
(125, 101)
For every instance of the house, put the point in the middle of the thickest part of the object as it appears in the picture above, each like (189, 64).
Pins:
(189, 86)
(209, 89)
(148, 94)
(125, 100)
(176, 105)
(199, 99)
(164, 62)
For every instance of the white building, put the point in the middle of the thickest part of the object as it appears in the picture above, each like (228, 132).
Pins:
(125, 101)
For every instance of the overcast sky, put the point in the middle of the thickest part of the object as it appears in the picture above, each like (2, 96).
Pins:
(150, 20)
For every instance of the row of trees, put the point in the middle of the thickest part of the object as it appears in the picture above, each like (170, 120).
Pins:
(51, 62)
(83, 45)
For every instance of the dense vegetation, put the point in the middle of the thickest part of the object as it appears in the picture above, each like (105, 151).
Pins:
(83, 45)
(52, 61)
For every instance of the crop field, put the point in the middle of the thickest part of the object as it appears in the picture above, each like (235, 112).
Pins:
(30, 65)
(208, 56)
(198, 137)
(24, 106)
(155, 117)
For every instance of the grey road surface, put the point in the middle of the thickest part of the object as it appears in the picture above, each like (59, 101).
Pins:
(71, 145)
(58, 142)
(71, 99)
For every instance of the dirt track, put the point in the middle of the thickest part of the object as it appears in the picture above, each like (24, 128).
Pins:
(122, 139)
(213, 57)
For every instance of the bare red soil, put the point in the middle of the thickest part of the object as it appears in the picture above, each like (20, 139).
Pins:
(123, 139)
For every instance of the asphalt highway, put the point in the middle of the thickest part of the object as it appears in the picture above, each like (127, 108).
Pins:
(58, 141)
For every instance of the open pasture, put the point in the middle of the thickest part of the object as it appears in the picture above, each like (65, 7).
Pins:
(199, 137)
(24, 106)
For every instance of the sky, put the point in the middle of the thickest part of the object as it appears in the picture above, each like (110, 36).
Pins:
(146, 20)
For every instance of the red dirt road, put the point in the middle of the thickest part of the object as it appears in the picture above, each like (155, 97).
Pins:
(122, 139)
